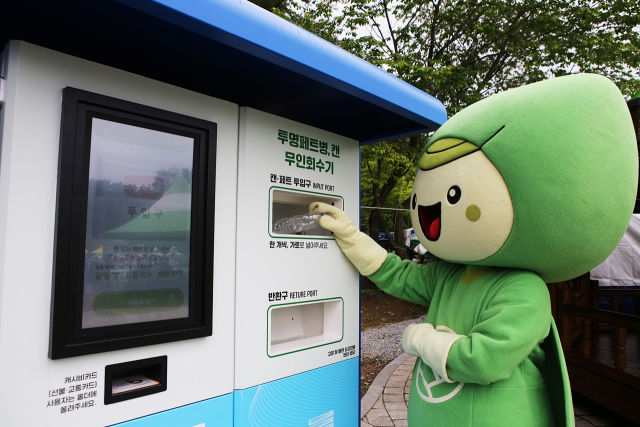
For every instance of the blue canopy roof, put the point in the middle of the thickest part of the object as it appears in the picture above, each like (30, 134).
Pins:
(232, 50)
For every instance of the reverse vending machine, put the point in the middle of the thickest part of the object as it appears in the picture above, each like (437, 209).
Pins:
(147, 151)
(297, 296)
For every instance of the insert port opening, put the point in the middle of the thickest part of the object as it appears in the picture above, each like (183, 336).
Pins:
(289, 203)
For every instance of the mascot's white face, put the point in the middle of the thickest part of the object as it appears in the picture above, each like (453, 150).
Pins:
(462, 211)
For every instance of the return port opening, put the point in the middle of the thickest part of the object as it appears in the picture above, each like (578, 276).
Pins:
(301, 326)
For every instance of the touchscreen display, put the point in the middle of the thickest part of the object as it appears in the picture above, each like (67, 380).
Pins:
(137, 246)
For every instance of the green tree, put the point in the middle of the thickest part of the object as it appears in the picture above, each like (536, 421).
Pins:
(461, 51)
(387, 172)
(274, 6)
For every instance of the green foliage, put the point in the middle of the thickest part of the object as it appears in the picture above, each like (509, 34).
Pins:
(274, 6)
(461, 51)
(387, 172)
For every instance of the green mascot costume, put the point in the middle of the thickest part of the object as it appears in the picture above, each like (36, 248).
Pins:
(536, 184)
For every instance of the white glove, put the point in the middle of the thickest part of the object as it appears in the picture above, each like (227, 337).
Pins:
(432, 346)
(365, 254)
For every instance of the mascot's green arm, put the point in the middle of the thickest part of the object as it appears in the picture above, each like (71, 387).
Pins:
(514, 322)
(405, 280)
(509, 320)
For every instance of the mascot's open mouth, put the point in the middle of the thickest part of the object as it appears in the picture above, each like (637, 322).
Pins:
(430, 221)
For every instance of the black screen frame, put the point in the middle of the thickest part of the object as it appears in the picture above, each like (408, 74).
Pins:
(67, 338)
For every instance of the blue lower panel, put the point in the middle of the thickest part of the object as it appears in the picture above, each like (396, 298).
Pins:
(216, 412)
(323, 397)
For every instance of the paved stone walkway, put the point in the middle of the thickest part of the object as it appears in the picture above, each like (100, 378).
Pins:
(385, 404)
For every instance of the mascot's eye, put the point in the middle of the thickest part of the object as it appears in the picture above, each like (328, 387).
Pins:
(415, 201)
(453, 196)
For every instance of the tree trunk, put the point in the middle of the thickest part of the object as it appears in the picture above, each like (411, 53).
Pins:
(401, 249)
(374, 226)
(399, 230)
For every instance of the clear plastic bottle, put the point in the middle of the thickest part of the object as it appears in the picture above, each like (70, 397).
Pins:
(297, 224)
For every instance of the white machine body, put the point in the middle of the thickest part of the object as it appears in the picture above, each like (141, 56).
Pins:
(297, 296)
(198, 369)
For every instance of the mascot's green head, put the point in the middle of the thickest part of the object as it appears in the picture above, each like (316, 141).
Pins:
(542, 177)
